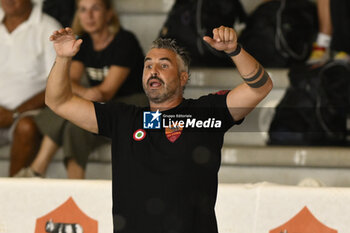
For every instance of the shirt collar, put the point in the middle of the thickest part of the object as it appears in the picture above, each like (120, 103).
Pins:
(36, 13)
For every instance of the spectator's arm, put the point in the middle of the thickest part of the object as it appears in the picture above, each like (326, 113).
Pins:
(35, 102)
(106, 90)
(8, 116)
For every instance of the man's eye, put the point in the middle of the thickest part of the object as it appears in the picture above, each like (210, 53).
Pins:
(164, 66)
(148, 66)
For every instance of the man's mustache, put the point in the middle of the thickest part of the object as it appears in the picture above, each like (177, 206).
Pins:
(156, 78)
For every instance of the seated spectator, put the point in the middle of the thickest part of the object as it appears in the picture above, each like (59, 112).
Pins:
(332, 41)
(112, 59)
(26, 57)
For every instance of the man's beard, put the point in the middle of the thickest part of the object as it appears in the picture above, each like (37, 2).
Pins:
(160, 98)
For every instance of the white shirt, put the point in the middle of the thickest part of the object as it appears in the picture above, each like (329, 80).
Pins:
(26, 57)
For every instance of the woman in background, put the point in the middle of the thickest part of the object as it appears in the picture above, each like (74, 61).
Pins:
(112, 61)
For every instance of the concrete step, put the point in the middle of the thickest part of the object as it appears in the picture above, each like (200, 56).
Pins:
(230, 77)
(325, 166)
(254, 129)
(329, 177)
(286, 156)
(238, 155)
(232, 156)
(163, 6)
(288, 165)
(143, 6)
(96, 170)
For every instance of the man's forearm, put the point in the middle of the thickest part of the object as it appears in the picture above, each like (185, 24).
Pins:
(58, 88)
(246, 64)
(250, 70)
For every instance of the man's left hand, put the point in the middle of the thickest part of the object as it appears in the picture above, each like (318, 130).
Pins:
(224, 39)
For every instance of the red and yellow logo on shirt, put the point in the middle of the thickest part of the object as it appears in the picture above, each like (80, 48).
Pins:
(173, 132)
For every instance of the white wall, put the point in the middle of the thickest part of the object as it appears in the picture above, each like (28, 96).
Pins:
(248, 208)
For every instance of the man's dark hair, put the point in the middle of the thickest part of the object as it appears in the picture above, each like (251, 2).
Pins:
(182, 54)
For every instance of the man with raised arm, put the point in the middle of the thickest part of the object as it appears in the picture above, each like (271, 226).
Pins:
(166, 157)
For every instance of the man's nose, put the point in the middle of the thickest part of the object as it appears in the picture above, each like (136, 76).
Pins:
(154, 71)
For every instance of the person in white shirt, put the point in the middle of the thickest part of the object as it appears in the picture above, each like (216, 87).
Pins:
(26, 58)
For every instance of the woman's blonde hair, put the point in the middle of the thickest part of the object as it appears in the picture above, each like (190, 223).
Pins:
(113, 24)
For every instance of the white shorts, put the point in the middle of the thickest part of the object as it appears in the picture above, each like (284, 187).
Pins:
(6, 134)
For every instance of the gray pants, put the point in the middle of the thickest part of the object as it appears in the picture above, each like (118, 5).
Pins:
(77, 143)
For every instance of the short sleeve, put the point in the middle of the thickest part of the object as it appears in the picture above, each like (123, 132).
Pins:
(217, 107)
(104, 115)
(109, 115)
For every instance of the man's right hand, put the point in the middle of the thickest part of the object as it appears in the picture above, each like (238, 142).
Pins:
(65, 43)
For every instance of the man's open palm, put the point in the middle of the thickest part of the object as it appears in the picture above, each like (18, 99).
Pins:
(65, 43)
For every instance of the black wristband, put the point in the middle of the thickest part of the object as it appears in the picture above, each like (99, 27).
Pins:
(236, 52)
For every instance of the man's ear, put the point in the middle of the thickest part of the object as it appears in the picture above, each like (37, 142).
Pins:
(184, 78)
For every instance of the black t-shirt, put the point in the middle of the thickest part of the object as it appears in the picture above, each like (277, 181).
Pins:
(124, 50)
(161, 184)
